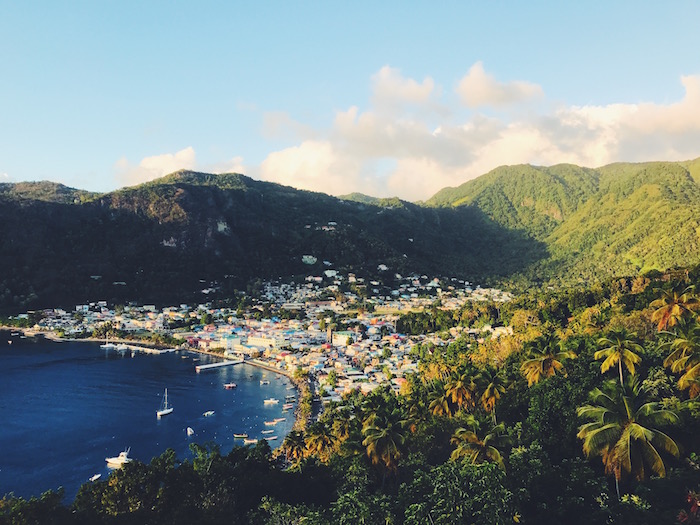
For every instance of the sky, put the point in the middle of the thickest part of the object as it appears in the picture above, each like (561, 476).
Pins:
(384, 98)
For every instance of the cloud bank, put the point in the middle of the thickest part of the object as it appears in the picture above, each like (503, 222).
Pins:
(150, 168)
(416, 137)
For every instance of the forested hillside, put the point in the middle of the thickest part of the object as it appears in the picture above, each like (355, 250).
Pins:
(166, 240)
(616, 220)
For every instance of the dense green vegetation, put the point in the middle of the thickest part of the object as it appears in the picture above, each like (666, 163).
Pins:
(588, 412)
(165, 241)
(517, 226)
(616, 220)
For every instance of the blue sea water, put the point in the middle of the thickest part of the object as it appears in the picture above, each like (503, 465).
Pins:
(64, 407)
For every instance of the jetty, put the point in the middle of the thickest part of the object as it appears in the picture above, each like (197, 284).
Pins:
(200, 368)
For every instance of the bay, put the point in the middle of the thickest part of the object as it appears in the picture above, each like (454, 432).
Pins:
(65, 407)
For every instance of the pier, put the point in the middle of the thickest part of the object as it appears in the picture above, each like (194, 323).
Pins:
(199, 368)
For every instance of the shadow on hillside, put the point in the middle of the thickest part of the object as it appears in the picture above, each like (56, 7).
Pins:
(165, 246)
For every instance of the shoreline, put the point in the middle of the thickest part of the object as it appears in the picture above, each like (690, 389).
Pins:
(301, 386)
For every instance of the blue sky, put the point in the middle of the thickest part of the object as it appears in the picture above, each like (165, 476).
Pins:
(390, 98)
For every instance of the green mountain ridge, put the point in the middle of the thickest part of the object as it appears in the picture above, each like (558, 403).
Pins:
(167, 239)
(616, 220)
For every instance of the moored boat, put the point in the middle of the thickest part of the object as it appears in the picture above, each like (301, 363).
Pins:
(165, 407)
(270, 423)
(190, 431)
(271, 438)
(208, 413)
(271, 401)
(240, 436)
(120, 460)
(250, 441)
(229, 386)
(267, 431)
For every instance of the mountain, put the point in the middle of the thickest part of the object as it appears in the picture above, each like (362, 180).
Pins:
(166, 240)
(620, 219)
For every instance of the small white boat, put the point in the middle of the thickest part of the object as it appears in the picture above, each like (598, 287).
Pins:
(250, 441)
(190, 431)
(95, 477)
(271, 438)
(287, 406)
(279, 419)
(271, 423)
(165, 407)
(264, 382)
(267, 431)
(208, 413)
(240, 436)
(271, 401)
(229, 386)
(120, 460)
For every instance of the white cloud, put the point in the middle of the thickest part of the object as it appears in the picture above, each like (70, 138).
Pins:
(313, 165)
(388, 84)
(4, 177)
(150, 168)
(477, 88)
(389, 149)
(234, 165)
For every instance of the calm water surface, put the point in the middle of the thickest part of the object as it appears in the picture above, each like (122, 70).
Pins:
(64, 407)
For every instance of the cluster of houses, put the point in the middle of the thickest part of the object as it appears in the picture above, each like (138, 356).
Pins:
(367, 353)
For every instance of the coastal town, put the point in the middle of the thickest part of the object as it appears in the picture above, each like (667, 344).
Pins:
(338, 329)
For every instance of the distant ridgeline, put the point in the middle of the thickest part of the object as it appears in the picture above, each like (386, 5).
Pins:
(166, 240)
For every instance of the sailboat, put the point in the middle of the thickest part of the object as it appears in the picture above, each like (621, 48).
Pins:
(165, 407)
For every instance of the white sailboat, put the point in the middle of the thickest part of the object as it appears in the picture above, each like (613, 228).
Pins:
(165, 407)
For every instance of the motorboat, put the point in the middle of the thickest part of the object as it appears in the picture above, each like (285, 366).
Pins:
(165, 407)
(208, 413)
(95, 477)
(120, 460)
(190, 431)
(229, 386)
(240, 436)
(250, 441)
(271, 401)
(264, 382)
(279, 419)
(287, 406)
(271, 438)
(270, 423)
(267, 431)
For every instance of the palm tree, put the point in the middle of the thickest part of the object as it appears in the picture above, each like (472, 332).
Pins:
(623, 430)
(439, 402)
(384, 438)
(294, 446)
(493, 386)
(546, 355)
(618, 349)
(320, 441)
(477, 449)
(460, 389)
(684, 356)
(673, 306)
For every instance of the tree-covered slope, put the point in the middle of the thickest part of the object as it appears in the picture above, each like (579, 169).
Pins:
(615, 220)
(165, 240)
